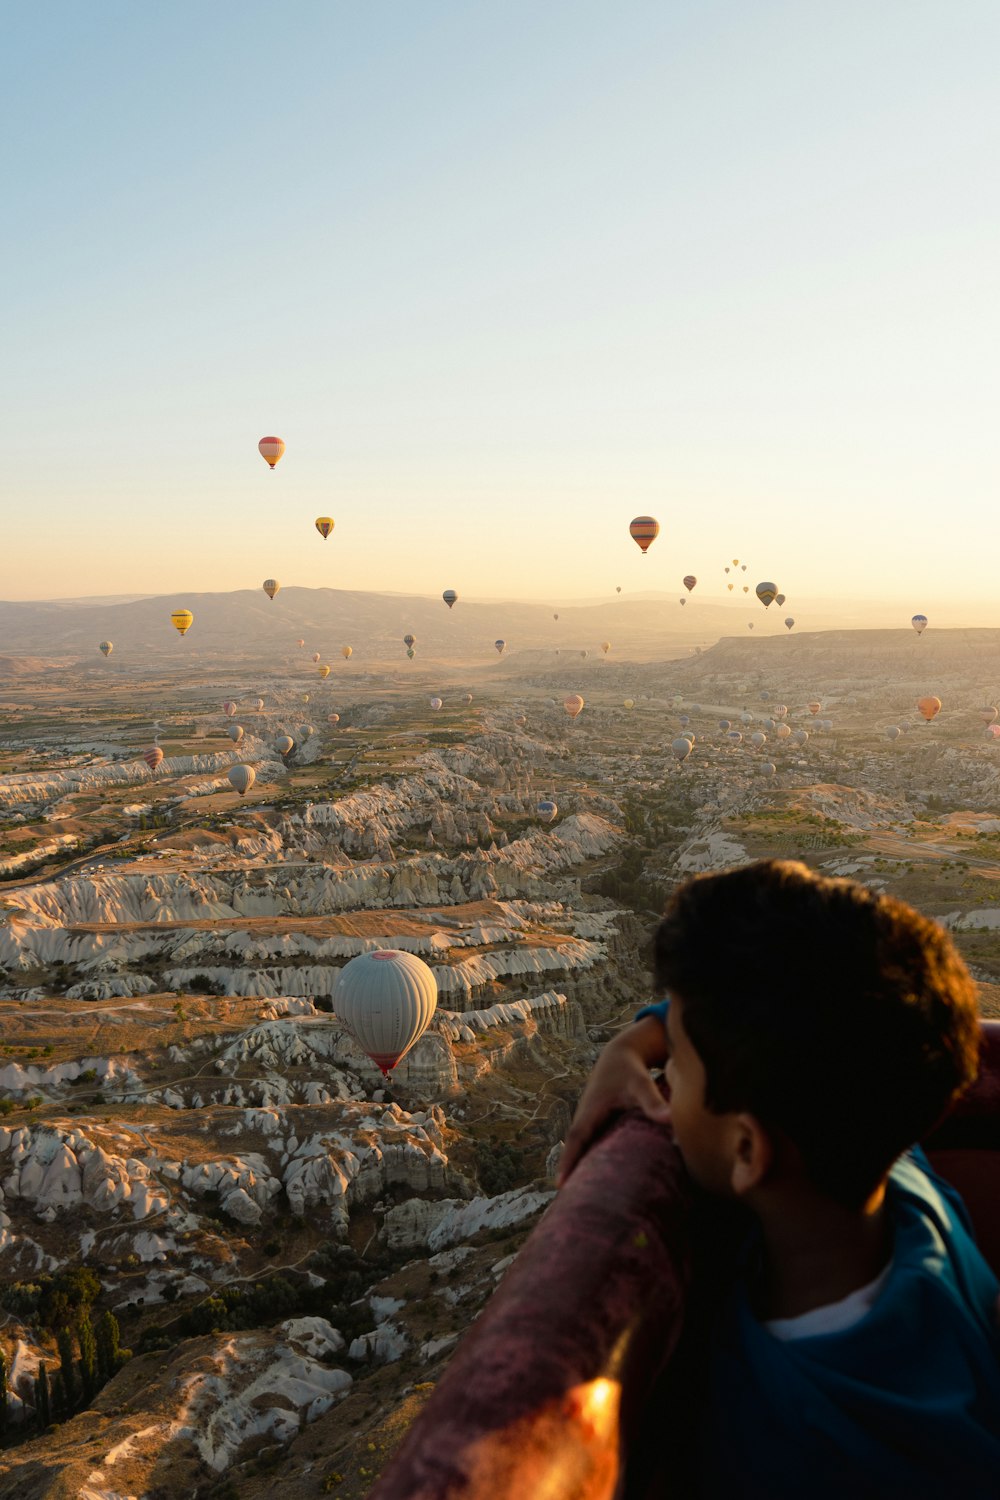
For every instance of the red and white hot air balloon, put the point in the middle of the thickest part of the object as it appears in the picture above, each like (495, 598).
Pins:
(270, 449)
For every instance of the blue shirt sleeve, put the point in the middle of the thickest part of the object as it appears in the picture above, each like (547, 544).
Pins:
(659, 1010)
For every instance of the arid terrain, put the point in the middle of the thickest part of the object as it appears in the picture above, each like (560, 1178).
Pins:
(231, 1252)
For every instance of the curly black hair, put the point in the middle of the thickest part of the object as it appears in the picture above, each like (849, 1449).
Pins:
(842, 1018)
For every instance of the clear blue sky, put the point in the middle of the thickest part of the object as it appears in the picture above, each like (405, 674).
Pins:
(503, 274)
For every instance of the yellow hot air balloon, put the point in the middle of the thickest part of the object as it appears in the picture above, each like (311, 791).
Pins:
(106, 647)
(324, 525)
(605, 647)
(182, 620)
(347, 652)
(736, 562)
(323, 671)
(270, 587)
(270, 449)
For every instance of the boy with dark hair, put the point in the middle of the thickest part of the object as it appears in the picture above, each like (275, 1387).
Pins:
(815, 1031)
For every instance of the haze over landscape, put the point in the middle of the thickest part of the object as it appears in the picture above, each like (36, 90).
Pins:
(504, 280)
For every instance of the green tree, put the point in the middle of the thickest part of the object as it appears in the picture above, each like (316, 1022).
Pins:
(42, 1408)
(67, 1370)
(108, 1351)
(88, 1354)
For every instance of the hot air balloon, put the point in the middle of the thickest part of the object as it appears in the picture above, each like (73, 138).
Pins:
(749, 624)
(547, 810)
(107, 647)
(347, 652)
(284, 744)
(682, 600)
(736, 562)
(258, 704)
(300, 642)
(767, 768)
(500, 647)
(689, 581)
(605, 647)
(467, 698)
(894, 732)
(182, 620)
(993, 732)
(789, 622)
(271, 449)
(988, 713)
(782, 731)
(814, 707)
(521, 720)
(229, 708)
(729, 587)
(680, 748)
(153, 756)
(757, 739)
(409, 640)
(644, 530)
(746, 588)
(929, 707)
(449, 596)
(386, 1000)
(584, 654)
(725, 570)
(735, 737)
(767, 593)
(779, 599)
(781, 711)
(919, 623)
(316, 656)
(270, 587)
(689, 735)
(743, 567)
(618, 589)
(629, 703)
(333, 719)
(323, 671)
(684, 719)
(324, 525)
(800, 736)
(242, 778)
(746, 717)
(573, 705)
(305, 697)
(410, 652)
(436, 703)
(235, 733)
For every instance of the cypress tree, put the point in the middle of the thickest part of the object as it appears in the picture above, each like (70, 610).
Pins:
(107, 1345)
(42, 1408)
(88, 1354)
(67, 1374)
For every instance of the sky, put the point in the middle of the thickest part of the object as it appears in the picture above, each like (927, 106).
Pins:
(503, 275)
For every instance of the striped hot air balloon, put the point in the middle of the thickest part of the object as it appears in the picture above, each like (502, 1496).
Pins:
(324, 671)
(689, 581)
(547, 810)
(182, 620)
(767, 593)
(229, 708)
(270, 587)
(450, 598)
(324, 525)
(106, 647)
(573, 705)
(919, 623)
(271, 449)
(644, 530)
(386, 1000)
(153, 757)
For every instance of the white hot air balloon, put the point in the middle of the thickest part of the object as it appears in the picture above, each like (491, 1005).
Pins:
(235, 733)
(242, 778)
(386, 1000)
(680, 748)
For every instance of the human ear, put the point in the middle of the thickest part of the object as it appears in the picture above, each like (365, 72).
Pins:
(752, 1153)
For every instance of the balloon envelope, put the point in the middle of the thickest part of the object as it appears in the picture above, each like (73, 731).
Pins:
(324, 671)
(229, 708)
(573, 705)
(789, 623)
(270, 449)
(235, 732)
(386, 1000)
(347, 652)
(315, 656)
(153, 756)
(929, 707)
(435, 703)
(919, 623)
(500, 647)
(409, 640)
(333, 718)
(689, 581)
(988, 713)
(324, 525)
(182, 620)
(270, 587)
(449, 596)
(767, 593)
(107, 647)
(680, 748)
(284, 743)
(242, 778)
(644, 530)
(547, 810)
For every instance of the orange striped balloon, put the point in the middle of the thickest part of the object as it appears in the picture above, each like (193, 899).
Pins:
(644, 530)
(271, 449)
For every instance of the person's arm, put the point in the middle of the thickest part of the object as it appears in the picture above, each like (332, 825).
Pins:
(620, 1080)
